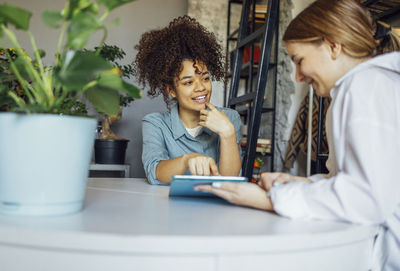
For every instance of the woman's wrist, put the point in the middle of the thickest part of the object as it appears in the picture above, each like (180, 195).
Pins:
(228, 133)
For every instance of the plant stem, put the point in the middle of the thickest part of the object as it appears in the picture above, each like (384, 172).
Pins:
(29, 68)
(102, 40)
(60, 40)
(19, 101)
(89, 85)
(104, 16)
(45, 82)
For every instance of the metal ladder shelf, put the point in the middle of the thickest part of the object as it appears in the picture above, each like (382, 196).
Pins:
(247, 37)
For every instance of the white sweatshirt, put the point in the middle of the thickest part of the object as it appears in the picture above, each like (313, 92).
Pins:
(363, 132)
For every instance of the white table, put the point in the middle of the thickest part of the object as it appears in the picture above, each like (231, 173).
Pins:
(127, 224)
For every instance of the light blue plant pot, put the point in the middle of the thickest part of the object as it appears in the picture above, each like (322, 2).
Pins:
(44, 163)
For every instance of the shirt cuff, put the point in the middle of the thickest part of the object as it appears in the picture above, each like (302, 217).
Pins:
(289, 200)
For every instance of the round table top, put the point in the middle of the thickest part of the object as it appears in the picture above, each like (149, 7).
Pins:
(129, 215)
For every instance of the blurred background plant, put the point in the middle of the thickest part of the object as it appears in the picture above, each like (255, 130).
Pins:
(258, 163)
(28, 86)
(114, 55)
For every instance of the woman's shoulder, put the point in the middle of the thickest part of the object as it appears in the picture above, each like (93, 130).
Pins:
(378, 71)
(157, 117)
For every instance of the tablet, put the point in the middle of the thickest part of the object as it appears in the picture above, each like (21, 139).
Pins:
(183, 185)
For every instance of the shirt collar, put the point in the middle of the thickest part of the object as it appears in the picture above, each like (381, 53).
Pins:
(177, 126)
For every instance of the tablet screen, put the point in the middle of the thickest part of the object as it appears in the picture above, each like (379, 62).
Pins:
(183, 185)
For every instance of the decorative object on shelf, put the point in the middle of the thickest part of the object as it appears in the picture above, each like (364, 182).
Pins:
(109, 148)
(45, 153)
(258, 164)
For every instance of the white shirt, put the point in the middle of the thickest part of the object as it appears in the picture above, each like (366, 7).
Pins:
(363, 132)
(194, 131)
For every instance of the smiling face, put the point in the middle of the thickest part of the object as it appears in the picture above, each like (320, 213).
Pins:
(192, 88)
(316, 64)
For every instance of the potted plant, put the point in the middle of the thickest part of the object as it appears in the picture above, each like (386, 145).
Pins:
(109, 148)
(45, 143)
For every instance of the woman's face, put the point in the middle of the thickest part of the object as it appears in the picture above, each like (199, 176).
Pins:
(192, 87)
(315, 65)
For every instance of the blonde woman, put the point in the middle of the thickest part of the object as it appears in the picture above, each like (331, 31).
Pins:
(339, 50)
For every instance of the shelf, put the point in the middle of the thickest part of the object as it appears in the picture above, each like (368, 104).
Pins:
(242, 109)
(111, 167)
(244, 72)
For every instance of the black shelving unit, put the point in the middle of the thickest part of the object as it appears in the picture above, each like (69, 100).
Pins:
(257, 73)
(382, 10)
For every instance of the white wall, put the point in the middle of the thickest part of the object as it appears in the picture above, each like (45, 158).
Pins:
(136, 18)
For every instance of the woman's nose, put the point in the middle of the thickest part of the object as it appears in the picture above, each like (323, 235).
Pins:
(299, 75)
(200, 86)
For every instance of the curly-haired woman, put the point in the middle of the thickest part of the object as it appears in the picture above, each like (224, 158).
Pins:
(194, 137)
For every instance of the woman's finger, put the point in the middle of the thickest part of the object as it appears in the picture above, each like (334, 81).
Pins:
(204, 112)
(214, 168)
(192, 166)
(199, 168)
(206, 168)
(227, 195)
(211, 106)
(267, 179)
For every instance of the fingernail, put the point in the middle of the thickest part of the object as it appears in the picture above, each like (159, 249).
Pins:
(276, 183)
(216, 185)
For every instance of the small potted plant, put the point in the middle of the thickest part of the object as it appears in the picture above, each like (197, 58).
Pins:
(45, 142)
(109, 148)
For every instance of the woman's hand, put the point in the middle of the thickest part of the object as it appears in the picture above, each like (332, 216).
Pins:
(268, 179)
(216, 121)
(202, 165)
(246, 194)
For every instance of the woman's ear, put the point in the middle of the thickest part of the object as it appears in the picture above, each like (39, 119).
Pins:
(335, 48)
(171, 91)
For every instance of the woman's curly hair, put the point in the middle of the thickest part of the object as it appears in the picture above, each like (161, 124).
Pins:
(161, 53)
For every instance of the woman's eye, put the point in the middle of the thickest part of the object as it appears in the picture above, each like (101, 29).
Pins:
(187, 83)
(206, 79)
(299, 62)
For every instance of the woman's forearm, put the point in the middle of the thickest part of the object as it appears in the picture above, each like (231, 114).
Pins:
(168, 168)
(229, 159)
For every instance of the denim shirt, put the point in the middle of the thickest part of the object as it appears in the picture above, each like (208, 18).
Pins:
(165, 137)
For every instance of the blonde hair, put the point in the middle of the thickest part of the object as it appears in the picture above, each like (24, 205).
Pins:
(342, 21)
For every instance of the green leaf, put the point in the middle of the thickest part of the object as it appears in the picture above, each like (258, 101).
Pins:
(6, 78)
(41, 53)
(114, 81)
(112, 4)
(52, 18)
(23, 67)
(16, 16)
(80, 29)
(92, 7)
(3, 88)
(71, 8)
(105, 100)
(79, 68)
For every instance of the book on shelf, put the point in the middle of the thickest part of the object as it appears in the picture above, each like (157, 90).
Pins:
(263, 144)
(260, 11)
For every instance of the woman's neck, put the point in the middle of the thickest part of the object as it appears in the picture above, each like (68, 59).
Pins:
(190, 119)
